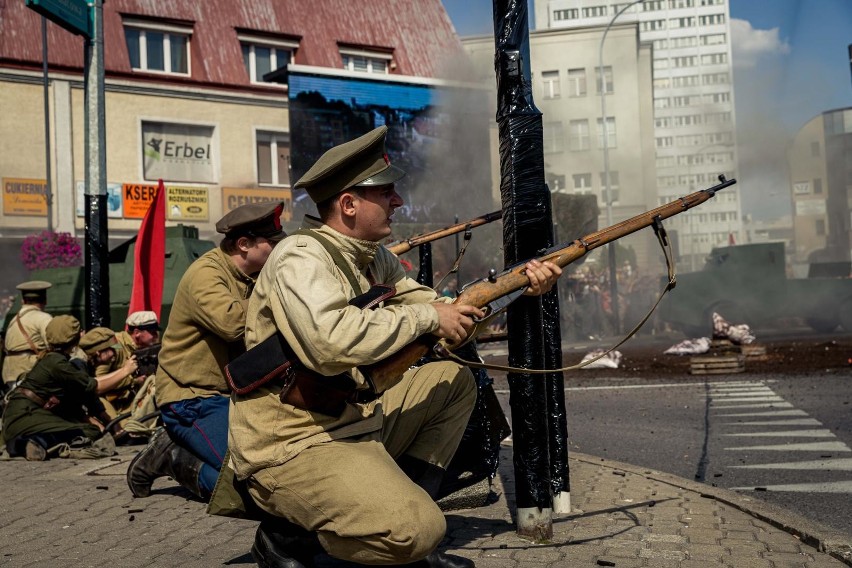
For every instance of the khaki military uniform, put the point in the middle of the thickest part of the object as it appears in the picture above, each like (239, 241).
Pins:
(53, 375)
(120, 399)
(20, 356)
(205, 331)
(337, 475)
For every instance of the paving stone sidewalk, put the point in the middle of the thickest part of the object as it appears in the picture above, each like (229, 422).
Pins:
(68, 513)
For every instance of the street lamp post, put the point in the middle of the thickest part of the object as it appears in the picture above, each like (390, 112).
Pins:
(613, 283)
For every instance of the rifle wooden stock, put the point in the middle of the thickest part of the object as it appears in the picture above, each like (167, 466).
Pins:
(481, 292)
(402, 247)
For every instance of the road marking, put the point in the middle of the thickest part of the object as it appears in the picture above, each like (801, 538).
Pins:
(763, 405)
(821, 433)
(826, 487)
(770, 413)
(807, 447)
(750, 394)
(793, 422)
(839, 464)
(762, 398)
(625, 387)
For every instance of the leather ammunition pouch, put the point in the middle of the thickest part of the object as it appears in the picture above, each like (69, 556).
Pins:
(274, 360)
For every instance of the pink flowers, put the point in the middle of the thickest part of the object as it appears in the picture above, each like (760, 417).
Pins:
(48, 249)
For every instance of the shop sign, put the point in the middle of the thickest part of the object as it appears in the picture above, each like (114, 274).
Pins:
(233, 197)
(25, 197)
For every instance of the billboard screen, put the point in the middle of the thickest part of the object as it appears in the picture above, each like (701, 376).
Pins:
(438, 132)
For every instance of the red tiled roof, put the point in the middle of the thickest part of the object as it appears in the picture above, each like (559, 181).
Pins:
(419, 32)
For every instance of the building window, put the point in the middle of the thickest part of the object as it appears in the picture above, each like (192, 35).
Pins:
(556, 183)
(653, 25)
(610, 133)
(685, 81)
(653, 5)
(553, 138)
(262, 55)
(158, 49)
(663, 102)
(675, 4)
(661, 64)
(578, 135)
(815, 153)
(273, 158)
(613, 186)
(817, 186)
(607, 77)
(576, 82)
(365, 61)
(664, 142)
(550, 84)
(594, 11)
(715, 79)
(711, 19)
(714, 58)
(819, 226)
(685, 61)
(570, 14)
(582, 183)
(713, 39)
(688, 22)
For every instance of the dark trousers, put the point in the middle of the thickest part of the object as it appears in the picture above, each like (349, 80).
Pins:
(17, 446)
(201, 426)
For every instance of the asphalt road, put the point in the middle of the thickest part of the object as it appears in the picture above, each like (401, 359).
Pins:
(786, 439)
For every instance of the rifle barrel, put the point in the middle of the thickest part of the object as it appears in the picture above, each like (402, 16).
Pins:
(402, 247)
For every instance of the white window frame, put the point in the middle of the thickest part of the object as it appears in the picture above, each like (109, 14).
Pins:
(578, 135)
(370, 57)
(611, 138)
(550, 84)
(582, 188)
(554, 138)
(168, 31)
(275, 137)
(577, 82)
(275, 46)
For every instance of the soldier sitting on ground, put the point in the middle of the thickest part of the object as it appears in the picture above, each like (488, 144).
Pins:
(116, 384)
(56, 403)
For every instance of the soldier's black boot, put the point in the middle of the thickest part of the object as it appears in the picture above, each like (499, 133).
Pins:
(184, 467)
(281, 544)
(149, 464)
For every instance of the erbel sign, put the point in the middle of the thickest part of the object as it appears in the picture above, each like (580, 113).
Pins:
(178, 152)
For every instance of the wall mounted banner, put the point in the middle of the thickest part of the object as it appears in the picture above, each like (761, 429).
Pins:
(115, 206)
(233, 197)
(187, 203)
(25, 197)
(178, 152)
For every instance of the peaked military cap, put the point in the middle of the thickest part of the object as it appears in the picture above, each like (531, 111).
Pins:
(261, 219)
(62, 330)
(34, 289)
(361, 162)
(98, 339)
(143, 319)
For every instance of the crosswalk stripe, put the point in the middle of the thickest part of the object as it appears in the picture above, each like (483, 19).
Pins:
(761, 405)
(748, 392)
(818, 433)
(825, 487)
(769, 413)
(763, 398)
(838, 464)
(793, 422)
(805, 447)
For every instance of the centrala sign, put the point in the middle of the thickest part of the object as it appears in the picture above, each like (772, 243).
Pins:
(178, 152)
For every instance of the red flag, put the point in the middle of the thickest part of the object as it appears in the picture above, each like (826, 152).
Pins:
(150, 259)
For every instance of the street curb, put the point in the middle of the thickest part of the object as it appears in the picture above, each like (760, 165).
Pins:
(836, 544)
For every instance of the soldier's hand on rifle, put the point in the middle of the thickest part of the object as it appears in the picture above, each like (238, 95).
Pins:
(542, 275)
(455, 321)
(131, 365)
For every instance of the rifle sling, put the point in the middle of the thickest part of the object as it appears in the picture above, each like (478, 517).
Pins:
(660, 233)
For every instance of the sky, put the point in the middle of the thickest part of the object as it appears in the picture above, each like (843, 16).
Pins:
(791, 63)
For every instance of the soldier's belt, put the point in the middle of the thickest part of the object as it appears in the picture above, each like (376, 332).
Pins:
(48, 404)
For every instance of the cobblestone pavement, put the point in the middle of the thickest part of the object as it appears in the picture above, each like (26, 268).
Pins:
(68, 513)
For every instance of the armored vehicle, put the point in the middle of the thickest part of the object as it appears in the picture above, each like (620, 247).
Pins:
(749, 284)
(67, 295)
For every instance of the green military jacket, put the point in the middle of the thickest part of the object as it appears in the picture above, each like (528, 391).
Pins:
(302, 294)
(53, 375)
(205, 330)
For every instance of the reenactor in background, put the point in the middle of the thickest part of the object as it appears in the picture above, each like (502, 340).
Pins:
(55, 403)
(25, 334)
(205, 332)
(112, 363)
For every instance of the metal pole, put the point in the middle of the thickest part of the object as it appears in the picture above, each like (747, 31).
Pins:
(48, 195)
(613, 281)
(96, 253)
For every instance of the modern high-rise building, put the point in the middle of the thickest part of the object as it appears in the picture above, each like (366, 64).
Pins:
(693, 103)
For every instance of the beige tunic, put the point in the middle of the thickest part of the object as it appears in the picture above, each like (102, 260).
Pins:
(303, 294)
(205, 329)
(20, 357)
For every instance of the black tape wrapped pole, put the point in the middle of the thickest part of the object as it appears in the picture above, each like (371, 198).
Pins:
(538, 412)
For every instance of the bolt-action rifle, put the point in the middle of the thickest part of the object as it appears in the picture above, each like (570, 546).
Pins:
(417, 240)
(497, 291)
